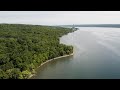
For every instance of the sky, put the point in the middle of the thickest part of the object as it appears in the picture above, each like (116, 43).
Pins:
(60, 17)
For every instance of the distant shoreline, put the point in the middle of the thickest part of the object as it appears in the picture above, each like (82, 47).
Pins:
(50, 61)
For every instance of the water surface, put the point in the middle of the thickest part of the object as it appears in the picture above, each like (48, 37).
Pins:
(96, 56)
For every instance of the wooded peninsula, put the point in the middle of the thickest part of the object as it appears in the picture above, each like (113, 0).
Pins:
(23, 48)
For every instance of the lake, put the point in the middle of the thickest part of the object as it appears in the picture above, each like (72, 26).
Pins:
(96, 56)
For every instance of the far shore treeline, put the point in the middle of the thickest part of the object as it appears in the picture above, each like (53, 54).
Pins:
(25, 47)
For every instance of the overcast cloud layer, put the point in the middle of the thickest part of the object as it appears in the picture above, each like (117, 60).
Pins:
(60, 17)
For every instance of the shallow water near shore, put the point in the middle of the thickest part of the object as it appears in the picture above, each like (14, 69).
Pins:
(96, 56)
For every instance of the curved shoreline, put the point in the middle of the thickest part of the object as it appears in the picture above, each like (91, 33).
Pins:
(56, 58)
(50, 61)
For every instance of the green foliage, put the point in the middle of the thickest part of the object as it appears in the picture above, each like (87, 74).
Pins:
(26, 74)
(3, 75)
(14, 73)
(24, 47)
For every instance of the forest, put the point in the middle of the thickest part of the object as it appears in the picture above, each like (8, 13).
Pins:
(25, 47)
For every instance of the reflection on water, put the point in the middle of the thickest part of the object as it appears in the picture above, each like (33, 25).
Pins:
(96, 55)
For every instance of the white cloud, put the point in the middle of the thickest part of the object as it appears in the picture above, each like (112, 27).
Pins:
(60, 17)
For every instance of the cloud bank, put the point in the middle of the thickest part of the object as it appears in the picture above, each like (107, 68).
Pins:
(60, 17)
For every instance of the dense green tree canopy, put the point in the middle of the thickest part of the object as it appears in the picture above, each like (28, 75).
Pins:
(24, 47)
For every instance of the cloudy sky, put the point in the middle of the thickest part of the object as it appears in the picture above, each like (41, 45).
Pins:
(60, 17)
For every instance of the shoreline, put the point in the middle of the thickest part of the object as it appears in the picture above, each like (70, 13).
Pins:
(55, 59)
(50, 61)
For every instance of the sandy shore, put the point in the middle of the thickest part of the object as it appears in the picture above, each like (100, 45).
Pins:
(55, 59)
(51, 60)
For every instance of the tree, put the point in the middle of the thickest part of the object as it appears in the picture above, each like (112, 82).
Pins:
(14, 73)
(24, 47)
(3, 74)
(26, 74)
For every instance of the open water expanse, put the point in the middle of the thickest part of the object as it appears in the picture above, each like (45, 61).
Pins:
(96, 56)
